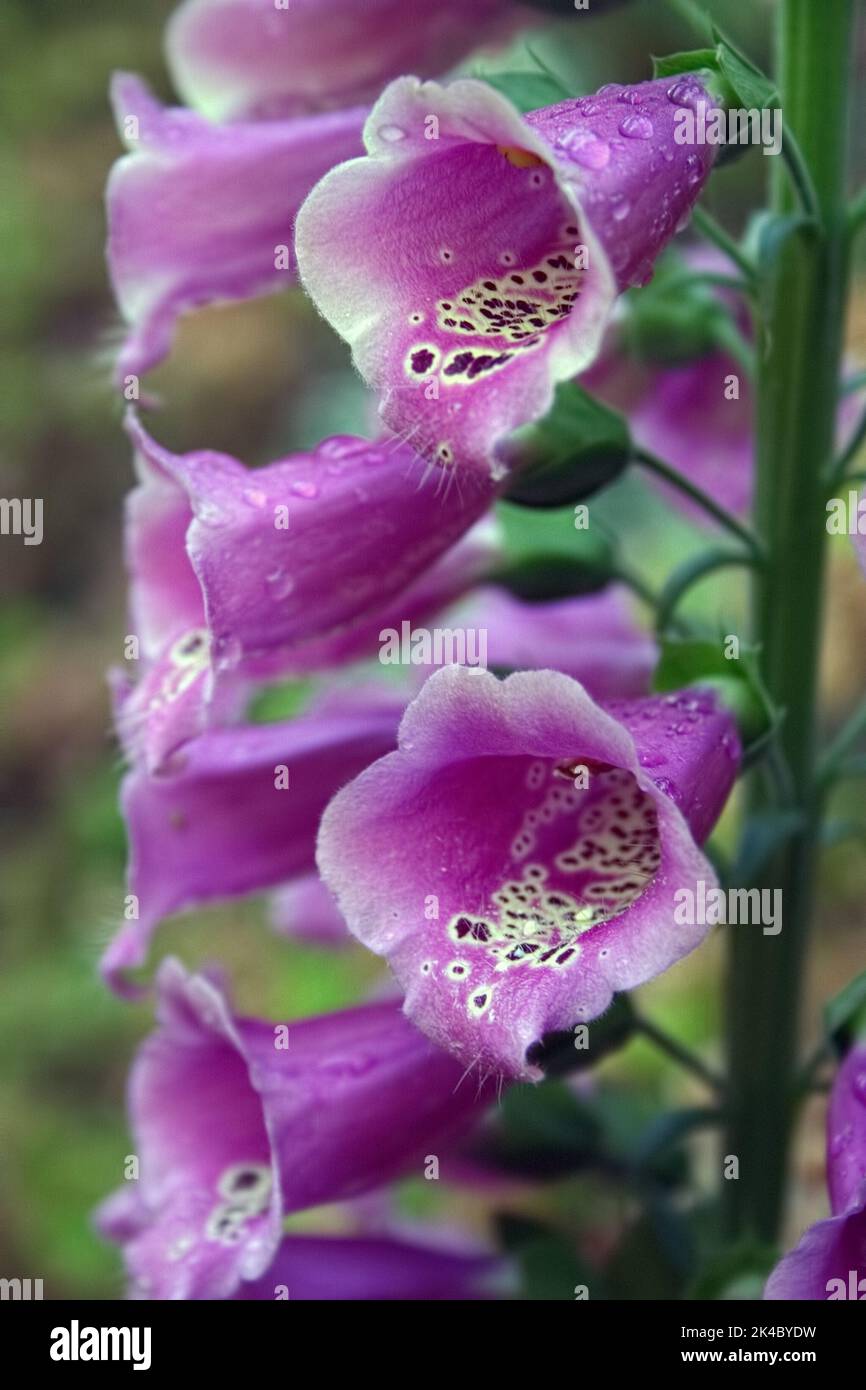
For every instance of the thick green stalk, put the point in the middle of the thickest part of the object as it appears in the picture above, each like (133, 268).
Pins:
(803, 306)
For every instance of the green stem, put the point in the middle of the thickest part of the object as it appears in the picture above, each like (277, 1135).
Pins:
(691, 572)
(857, 213)
(702, 499)
(797, 393)
(715, 232)
(841, 745)
(680, 1054)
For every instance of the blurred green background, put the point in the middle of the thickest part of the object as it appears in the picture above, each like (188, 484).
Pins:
(254, 380)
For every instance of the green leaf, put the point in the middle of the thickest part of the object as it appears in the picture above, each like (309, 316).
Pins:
(578, 447)
(527, 90)
(751, 87)
(675, 318)
(550, 1267)
(700, 662)
(739, 1272)
(691, 60)
(845, 1014)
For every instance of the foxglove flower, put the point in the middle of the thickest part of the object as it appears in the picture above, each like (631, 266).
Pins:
(365, 1268)
(199, 213)
(473, 257)
(235, 811)
(518, 858)
(593, 637)
(830, 1260)
(305, 910)
(239, 1121)
(302, 548)
(265, 58)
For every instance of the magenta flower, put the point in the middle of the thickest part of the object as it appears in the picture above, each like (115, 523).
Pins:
(235, 811)
(830, 1260)
(305, 910)
(472, 258)
(297, 551)
(239, 1121)
(364, 1268)
(593, 637)
(199, 213)
(255, 59)
(518, 859)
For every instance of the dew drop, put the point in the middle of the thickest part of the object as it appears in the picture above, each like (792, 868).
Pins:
(304, 488)
(694, 170)
(686, 92)
(280, 584)
(636, 127)
(621, 210)
(392, 133)
(859, 1087)
(587, 150)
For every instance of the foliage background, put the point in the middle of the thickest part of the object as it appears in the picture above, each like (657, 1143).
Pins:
(257, 380)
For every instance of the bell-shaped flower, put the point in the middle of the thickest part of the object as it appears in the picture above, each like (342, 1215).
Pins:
(830, 1260)
(235, 811)
(266, 58)
(239, 1121)
(305, 910)
(375, 1268)
(301, 549)
(472, 258)
(593, 637)
(526, 853)
(199, 213)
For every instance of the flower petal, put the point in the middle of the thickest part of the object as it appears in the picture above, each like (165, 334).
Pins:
(309, 1113)
(305, 546)
(255, 58)
(515, 862)
(363, 1268)
(235, 812)
(199, 213)
(473, 257)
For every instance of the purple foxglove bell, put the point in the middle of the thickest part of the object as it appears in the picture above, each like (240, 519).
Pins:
(235, 811)
(265, 58)
(302, 548)
(240, 1121)
(830, 1260)
(305, 911)
(593, 637)
(199, 213)
(374, 1268)
(473, 256)
(526, 853)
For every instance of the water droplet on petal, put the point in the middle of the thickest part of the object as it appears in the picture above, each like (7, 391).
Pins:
(685, 92)
(587, 150)
(621, 210)
(304, 488)
(860, 1087)
(280, 584)
(636, 127)
(392, 133)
